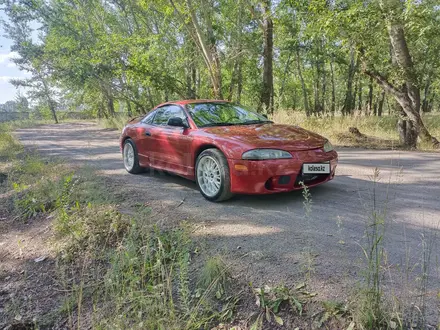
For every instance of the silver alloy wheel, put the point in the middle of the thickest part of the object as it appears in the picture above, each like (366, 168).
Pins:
(128, 156)
(208, 176)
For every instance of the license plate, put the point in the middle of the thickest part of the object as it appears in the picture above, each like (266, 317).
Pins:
(316, 168)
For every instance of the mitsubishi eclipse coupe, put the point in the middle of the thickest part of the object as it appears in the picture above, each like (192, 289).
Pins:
(226, 149)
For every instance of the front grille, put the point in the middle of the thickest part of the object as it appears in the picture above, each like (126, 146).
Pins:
(310, 178)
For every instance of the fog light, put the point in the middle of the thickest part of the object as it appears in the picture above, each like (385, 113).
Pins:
(284, 179)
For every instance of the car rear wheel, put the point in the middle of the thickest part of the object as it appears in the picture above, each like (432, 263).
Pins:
(131, 159)
(212, 175)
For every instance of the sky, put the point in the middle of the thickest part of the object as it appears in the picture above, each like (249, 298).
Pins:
(8, 70)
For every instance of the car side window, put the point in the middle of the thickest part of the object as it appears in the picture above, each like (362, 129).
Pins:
(165, 113)
(149, 118)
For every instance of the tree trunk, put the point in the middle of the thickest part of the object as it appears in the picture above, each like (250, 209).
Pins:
(370, 98)
(425, 103)
(150, 97)
(333, 106)
(294, 99)
(53, 110)
(408, 96)
(205, 43)
(50, 102)
(303, 85)
(129, 113)
(381, 101)
(218, 93)
(101, 111)
(266, 99)
(406, 129)
(189, 82)
(233, 81)
(239, 82)
(110, 105)
(356, 86)
(194, 80)
(360, 95)
(236, 78)
(317, 85)
(348, 102)
(283, 80)
(324, 87)
(100, 107)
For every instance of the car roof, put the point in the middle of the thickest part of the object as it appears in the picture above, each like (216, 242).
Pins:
(184, 102)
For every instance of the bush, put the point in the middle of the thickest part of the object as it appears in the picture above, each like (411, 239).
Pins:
(9, 146)
(117, 122)
(89, 230)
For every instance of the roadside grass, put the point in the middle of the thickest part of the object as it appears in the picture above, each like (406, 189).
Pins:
(118, 270)
(374, 304)
(380, 132)
(117, 122)
(9, 145)
(371, 309)
(10, 126)
(379, 305)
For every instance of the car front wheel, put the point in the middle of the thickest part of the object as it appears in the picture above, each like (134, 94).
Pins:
(131, 159)
(212, 175)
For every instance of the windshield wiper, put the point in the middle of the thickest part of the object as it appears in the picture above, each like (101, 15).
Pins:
(251, 122)
(219, 124)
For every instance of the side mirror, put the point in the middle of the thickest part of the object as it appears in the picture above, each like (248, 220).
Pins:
(265, 116)
(177, 122)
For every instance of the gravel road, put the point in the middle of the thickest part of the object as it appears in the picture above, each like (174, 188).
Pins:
(265, 237)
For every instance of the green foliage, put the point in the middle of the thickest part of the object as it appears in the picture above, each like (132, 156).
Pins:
(37, 199)
(36, 185)
(331, 310)
(99, 56)
(9, 146)
(88, 230)
(140, 272)
(271, 300)
(114, 122)
(214, 277)
(370, 309)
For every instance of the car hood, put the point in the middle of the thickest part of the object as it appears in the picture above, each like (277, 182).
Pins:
(286, 137)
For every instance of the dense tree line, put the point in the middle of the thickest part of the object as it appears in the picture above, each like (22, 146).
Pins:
(323, 57)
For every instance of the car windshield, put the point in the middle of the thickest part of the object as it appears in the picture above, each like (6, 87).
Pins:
(223, 114)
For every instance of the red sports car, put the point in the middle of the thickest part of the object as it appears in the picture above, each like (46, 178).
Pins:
(227, 149)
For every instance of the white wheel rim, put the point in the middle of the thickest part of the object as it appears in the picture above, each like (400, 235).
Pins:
(128, 156)
(208, 176)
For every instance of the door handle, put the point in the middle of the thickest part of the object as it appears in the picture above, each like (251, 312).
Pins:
(147, 133)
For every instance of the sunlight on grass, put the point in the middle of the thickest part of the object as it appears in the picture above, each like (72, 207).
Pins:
(381, 132)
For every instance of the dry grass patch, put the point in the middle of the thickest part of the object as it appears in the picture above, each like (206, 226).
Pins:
(379, 132)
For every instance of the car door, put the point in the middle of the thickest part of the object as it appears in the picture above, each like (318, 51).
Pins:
(171, 145)
(143, 139)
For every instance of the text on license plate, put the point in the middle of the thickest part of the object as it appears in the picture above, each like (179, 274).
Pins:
(316, 168)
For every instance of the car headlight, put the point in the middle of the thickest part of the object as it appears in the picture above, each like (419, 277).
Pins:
(261, 154)
(328, 147)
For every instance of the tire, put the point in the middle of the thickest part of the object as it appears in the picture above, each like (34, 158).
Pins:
(212, 175)
(132, 166)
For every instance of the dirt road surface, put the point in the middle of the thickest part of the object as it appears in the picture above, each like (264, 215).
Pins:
(265, 237)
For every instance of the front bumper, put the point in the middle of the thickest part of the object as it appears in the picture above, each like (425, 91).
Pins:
(279, 175)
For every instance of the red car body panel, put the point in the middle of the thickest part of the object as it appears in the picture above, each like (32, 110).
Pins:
(175, 149)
